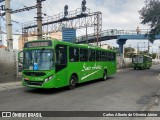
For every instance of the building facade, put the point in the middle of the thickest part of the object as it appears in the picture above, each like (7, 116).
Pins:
(68, 34)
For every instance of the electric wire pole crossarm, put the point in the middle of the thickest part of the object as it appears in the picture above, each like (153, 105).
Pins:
(20, 10)
(77, 19)
(8, 13)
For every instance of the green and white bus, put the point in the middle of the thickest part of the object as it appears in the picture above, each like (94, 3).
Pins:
(55, 64)
(141, 62)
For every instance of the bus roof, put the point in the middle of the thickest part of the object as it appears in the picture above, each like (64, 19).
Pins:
(142, 55)
(55, 41)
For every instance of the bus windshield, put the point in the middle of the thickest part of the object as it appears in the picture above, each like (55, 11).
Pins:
(38, 59)
(138, 59)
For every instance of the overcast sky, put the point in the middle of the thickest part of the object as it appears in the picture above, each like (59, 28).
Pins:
(117, 14)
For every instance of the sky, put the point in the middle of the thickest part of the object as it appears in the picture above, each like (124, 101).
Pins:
(116, 14)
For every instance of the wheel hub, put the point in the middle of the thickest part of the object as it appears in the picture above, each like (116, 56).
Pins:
(72, 82)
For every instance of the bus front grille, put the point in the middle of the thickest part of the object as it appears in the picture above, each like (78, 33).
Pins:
(34, 73)
(36, 83)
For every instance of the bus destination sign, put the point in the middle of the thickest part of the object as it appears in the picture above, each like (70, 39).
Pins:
(38, 44)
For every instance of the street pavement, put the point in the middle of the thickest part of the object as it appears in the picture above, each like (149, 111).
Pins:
(128, 90)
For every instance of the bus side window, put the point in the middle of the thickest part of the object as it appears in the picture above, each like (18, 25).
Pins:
(61, 54)
(98, 55)
(110, 56)
(73, 54)
(106, 56)
(103, 56)
(83, 55)
(61, 57)
(91, 54)
(114, 57)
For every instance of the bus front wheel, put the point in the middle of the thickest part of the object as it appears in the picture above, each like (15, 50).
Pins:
(105, 75)
(72, 82)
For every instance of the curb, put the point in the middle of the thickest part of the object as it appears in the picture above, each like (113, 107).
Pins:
(10, 85)
(122, 70)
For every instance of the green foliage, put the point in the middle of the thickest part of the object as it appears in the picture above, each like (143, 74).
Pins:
(150, 15)
(144, 52)
(116, 49)
(153, 55)
(129, 52)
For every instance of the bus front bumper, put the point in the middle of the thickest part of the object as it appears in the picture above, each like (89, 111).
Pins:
(38, 84)
(138, 65)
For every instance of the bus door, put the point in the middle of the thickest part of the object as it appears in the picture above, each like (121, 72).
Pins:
(61, 65)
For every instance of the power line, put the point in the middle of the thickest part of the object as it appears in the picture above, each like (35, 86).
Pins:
(45, 11)
(50, 7)
(21, 4)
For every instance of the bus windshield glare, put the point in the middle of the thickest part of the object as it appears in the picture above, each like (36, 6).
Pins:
(138, 59)
(41, 59)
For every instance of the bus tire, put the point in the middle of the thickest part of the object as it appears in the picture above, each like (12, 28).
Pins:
(104, 75)
(72, 82)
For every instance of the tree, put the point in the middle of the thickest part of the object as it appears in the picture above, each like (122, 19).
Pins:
(150, 15)
(144, 52)
(129, 52)
(154, 55)
(116, 49)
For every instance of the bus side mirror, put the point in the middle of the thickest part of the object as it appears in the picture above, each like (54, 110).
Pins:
(20, 61)
(20, 68)
(20, 57)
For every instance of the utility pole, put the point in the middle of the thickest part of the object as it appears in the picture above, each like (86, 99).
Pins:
(148, 47)
(8, 13)
(86, 35)
(8, 25)
(137, 49)
(158, 51)
(39, 19)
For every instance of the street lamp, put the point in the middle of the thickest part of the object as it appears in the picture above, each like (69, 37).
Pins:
(158, 51)
(144, 46)
(138, 48)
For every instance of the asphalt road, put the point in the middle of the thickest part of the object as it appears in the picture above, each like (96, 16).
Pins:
(128, 90)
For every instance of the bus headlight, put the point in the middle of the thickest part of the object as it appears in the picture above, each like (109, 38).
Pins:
(48, 78)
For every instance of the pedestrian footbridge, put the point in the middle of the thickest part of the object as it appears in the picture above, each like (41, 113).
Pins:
(121, 35)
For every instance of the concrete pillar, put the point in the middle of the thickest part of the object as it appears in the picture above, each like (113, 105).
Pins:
(8, 25)
(121, 43)
(39, 19)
